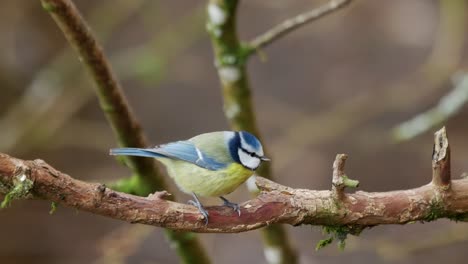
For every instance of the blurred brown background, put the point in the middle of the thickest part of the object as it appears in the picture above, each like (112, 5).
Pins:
(338, 85)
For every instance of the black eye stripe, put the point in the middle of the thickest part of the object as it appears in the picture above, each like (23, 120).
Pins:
(252, 154)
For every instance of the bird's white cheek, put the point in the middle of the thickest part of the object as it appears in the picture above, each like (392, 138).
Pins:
(247, 160)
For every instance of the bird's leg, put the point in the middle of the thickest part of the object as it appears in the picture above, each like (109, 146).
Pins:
(234, 206)
(199, 206)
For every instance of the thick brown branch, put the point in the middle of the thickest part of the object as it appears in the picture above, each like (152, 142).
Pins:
(294, 23)
(275, 204)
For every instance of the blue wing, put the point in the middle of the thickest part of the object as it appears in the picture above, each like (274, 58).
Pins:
(180, 150)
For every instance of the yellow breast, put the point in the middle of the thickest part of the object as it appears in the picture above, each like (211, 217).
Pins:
(193, 179)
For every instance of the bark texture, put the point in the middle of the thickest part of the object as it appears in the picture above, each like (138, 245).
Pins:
(275, 204)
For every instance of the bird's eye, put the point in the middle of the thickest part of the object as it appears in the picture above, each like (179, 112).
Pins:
(252, 154)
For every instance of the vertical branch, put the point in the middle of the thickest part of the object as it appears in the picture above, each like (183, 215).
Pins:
(441, 160)
(339, 174)
(118, 113)
(340, 181)
(230, 60)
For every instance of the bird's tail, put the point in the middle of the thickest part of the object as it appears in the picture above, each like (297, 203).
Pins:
(135, 152)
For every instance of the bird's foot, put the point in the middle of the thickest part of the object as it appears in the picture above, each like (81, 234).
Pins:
(234, 206)
(200, 207)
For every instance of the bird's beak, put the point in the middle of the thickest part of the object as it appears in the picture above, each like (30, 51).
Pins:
(264, 159)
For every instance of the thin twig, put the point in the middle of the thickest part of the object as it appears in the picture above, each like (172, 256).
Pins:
(118, 112)
(294, 23)
(353, 112)
(31, 113)
(30, 109)
(449, 105)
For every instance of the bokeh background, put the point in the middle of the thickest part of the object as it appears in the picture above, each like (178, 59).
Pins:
(339, 85)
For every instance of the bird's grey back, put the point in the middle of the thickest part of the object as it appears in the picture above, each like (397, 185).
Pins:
(215, 145)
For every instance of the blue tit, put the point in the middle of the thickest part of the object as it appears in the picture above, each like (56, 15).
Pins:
(211, 164)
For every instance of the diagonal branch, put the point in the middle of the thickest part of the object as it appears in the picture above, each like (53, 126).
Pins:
(294, 23)
(119, 114)
(108, 89)
(448, 106)
(275, 204)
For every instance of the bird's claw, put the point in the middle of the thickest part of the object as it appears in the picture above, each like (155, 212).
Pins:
(200, 209)
(232, 205)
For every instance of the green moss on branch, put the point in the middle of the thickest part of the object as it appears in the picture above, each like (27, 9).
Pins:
(20, 190)
(350, 182)
(339, 233)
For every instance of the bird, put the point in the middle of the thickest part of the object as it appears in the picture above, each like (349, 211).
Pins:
(209, 165)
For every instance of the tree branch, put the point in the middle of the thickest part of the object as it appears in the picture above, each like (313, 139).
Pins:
(109, 90)
(441, 160)
(448, 105)
(230, 60)
(442, 198)
(340, 181)
(294, 23)
(275, 204)
(119, 115)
